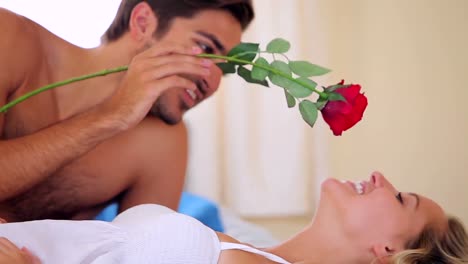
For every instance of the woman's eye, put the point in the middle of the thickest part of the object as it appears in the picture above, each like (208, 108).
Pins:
(206, 48)
(399, 197)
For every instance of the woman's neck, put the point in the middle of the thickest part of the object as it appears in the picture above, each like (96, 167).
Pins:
(317, 243)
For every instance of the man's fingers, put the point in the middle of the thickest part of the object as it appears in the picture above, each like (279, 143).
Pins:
(176, 69)
(178, 58)
(175, 82)
(159, 50)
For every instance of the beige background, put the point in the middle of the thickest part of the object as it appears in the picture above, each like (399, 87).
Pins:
(412, 59)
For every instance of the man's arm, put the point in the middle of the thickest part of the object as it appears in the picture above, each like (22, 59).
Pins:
(29, 160)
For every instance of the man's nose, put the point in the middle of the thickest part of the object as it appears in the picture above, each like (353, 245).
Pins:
(214, 80)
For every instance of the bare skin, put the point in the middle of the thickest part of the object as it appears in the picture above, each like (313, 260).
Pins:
(9, 254)
(68, 152)
(239, 256)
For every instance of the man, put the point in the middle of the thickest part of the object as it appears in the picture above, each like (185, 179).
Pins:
(68, 152)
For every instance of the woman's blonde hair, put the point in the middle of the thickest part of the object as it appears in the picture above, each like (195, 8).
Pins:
(431, 247)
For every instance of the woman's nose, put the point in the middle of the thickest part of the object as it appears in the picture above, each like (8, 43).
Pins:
(380, 181)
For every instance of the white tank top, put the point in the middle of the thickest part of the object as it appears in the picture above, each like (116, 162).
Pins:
(150, 234)
(228, 246)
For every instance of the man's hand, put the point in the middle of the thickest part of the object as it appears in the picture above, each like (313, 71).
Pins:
(150, 73)
(10, 254)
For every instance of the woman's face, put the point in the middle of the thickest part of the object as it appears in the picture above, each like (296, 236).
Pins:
(375, 215)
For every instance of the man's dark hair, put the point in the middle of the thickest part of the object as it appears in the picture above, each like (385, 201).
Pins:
(167, 10)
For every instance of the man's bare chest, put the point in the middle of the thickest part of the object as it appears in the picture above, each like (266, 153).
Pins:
(30, 116)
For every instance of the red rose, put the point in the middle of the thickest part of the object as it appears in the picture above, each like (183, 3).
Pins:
(340, 115)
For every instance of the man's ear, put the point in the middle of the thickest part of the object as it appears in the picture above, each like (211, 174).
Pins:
(143, 23)
(383, 252)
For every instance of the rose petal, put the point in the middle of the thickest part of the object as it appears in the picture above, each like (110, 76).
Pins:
(341, 116)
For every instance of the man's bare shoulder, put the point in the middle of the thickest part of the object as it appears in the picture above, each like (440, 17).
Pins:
(156, 130)
(19, 48)
(147, 147)
(161, 146)
(16, 28)
(153, 138)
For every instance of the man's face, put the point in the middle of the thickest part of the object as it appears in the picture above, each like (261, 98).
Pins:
(215, 31)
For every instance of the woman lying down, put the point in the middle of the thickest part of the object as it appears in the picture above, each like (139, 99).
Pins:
(368, 222)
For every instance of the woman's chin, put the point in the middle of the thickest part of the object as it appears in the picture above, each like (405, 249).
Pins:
(335, 193)
(330, 185)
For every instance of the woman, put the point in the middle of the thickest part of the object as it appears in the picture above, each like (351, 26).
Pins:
(367, 222)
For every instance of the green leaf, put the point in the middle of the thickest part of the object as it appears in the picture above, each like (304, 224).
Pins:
(307, 69)
(336, 97)
(280, 80)
(300, 91)
(250, 50)
(336, 87)
(281, 66)
(259, 73)
(321, 104)
(309, 112)
(227, 67)
(246, 74)
(278, 45)
(307, 81)
(290, 99)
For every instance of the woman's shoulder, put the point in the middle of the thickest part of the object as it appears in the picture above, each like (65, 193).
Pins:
(233, 256)
(225, 238)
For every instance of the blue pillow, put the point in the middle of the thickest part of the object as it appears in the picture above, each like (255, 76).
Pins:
(202, 209)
